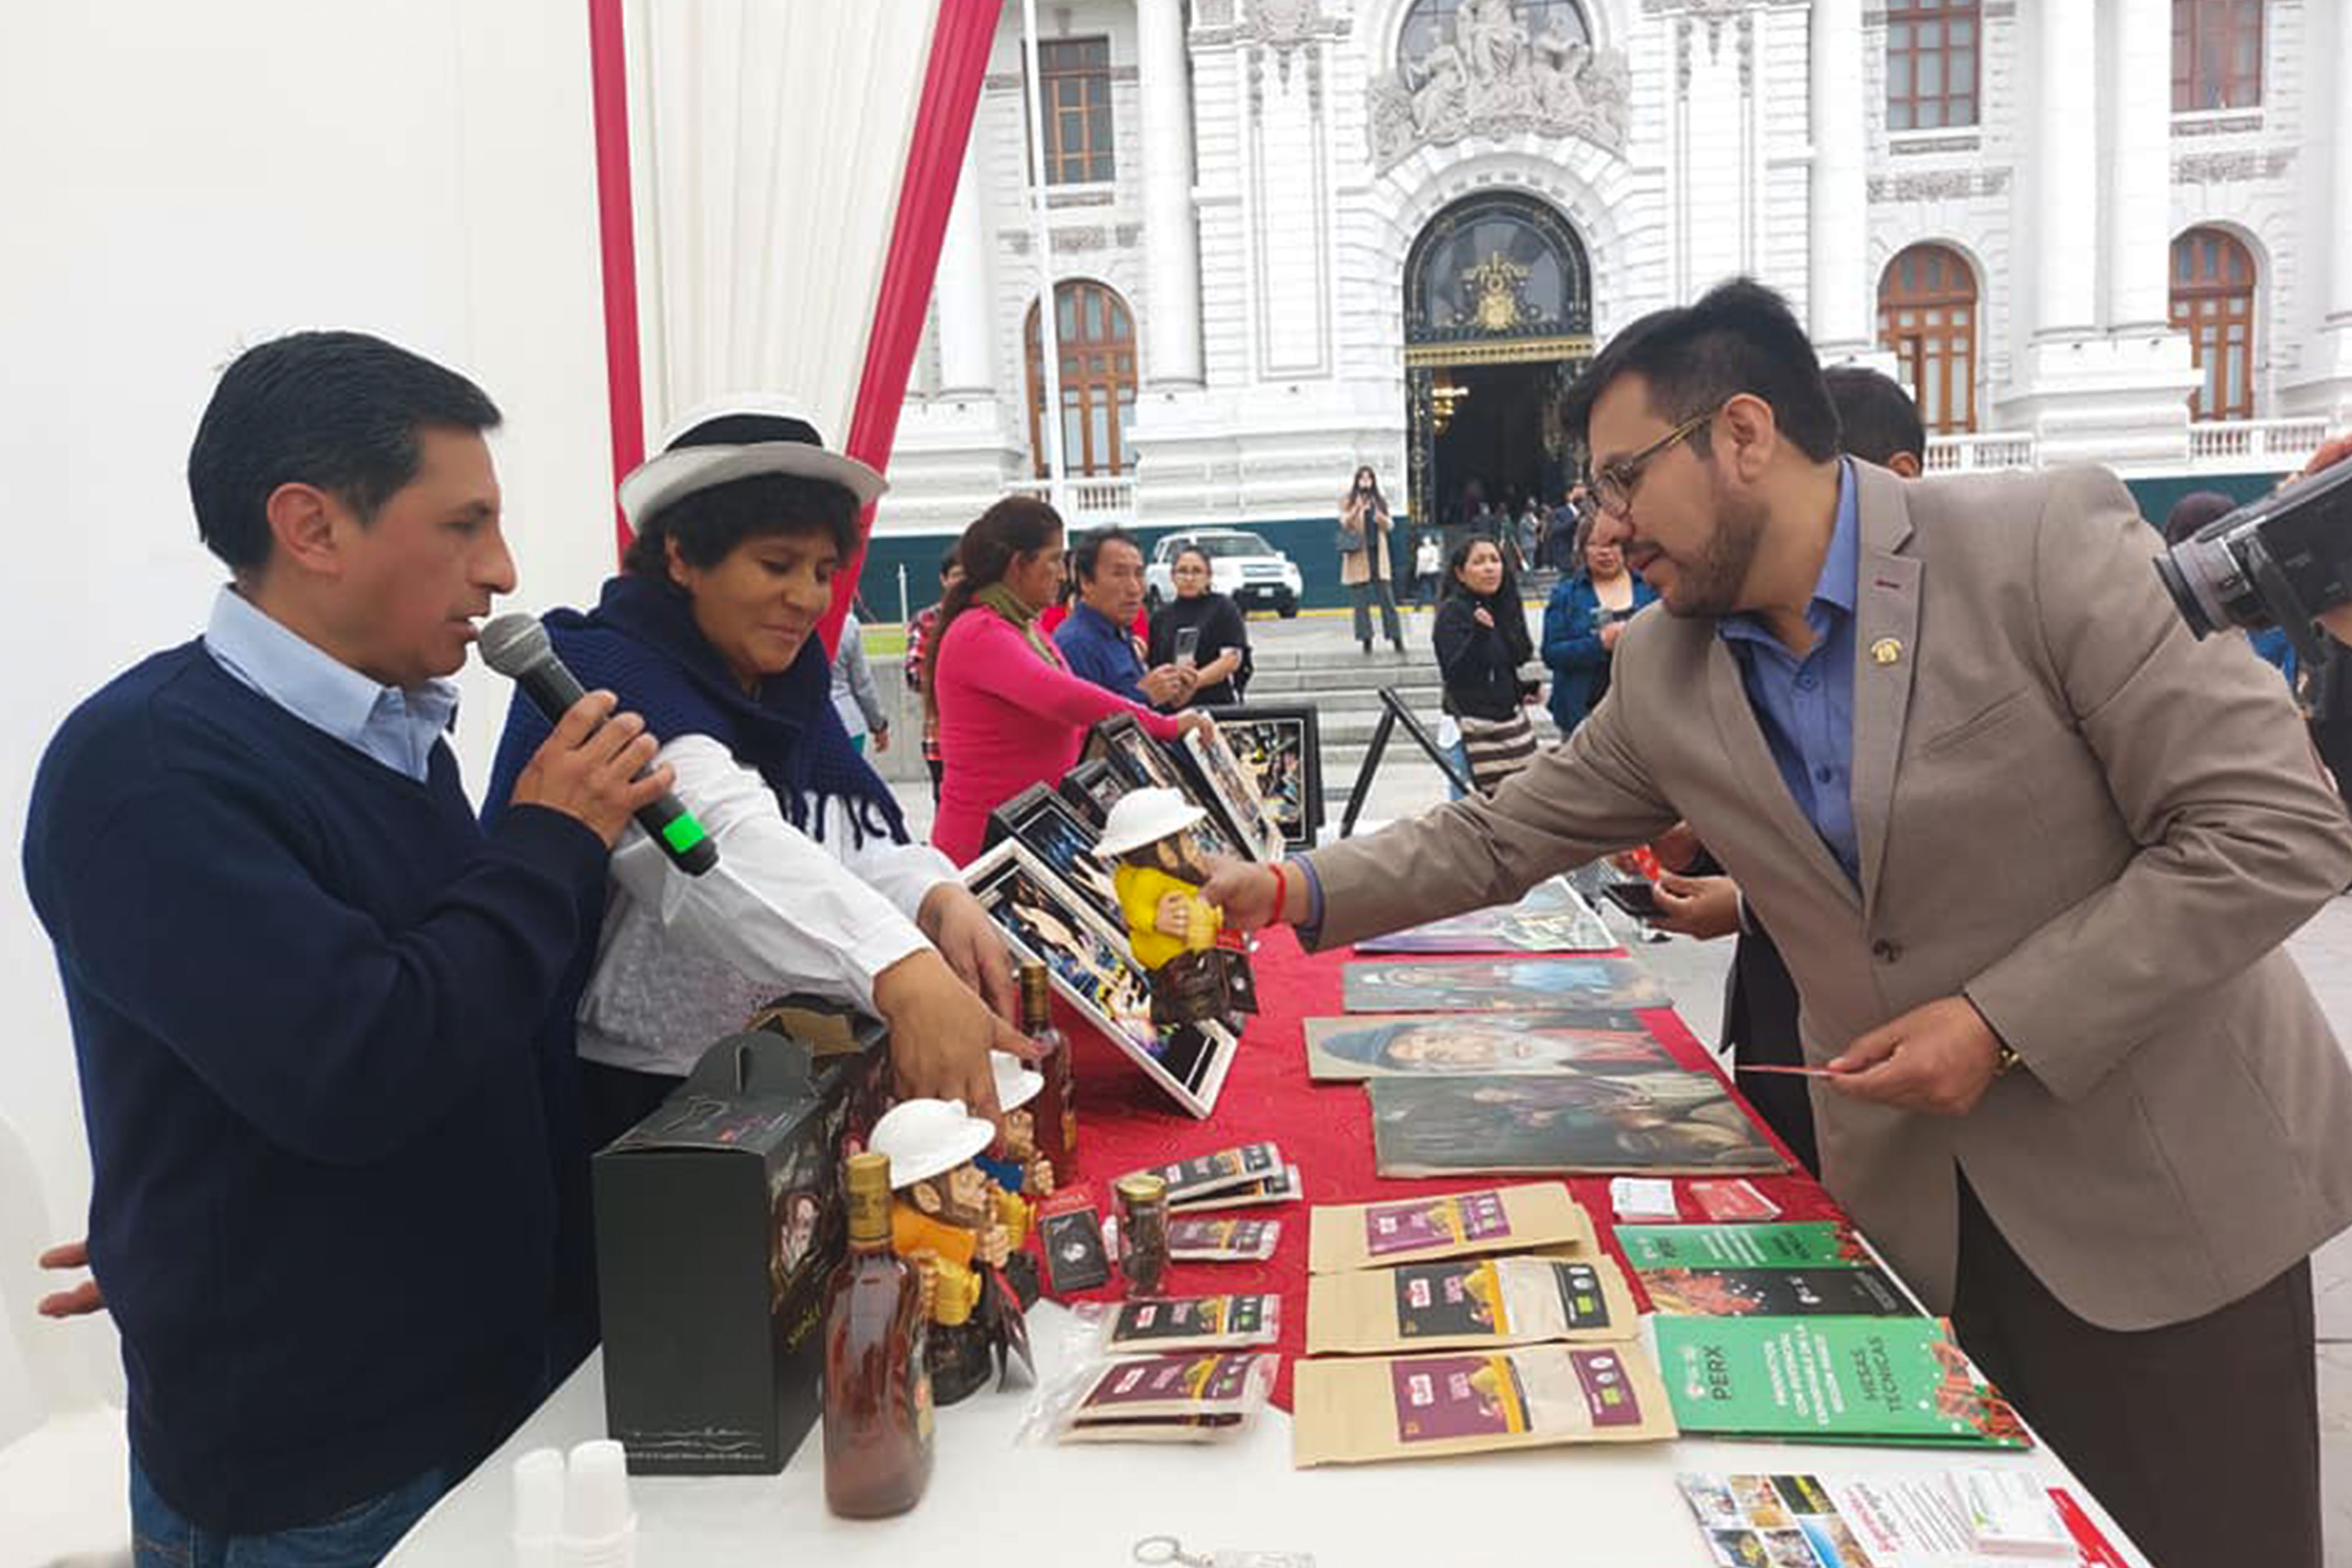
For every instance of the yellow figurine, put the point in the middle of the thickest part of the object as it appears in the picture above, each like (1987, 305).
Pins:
(1171, 929)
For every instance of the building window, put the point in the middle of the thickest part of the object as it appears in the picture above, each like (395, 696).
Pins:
(1096, 334)
(2213, 303)
(1927, 316)
(1077, 109)
(2217, 54)
(1931, 63)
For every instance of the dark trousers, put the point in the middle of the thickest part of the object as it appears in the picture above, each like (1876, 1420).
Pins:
(1759, 1025)
(2201, 1438)
(1363, 594)
(938, 775)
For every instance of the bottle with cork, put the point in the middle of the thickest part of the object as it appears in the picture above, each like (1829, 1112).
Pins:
(1057, 1115)
(878, 1387)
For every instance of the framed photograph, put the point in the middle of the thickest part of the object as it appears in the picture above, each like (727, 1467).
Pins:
(1050, 829)
(1440, 1044)
(1551, 918)
(1145, 764)
(1282, 749)
(1230, 793)
(1592, 1123)
(1092, 788)
(1499, 985)
(1092, 971)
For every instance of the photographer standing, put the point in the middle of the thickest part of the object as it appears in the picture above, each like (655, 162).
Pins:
(1364, 565)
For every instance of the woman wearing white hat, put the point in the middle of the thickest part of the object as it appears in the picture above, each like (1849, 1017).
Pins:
(742, 521)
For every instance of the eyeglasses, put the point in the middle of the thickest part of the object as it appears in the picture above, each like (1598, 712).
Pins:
(1612, 485)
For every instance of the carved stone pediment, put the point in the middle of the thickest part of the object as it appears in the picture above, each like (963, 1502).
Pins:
(1490, 75)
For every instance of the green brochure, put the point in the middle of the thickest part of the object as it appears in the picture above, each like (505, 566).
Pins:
(1863, 1380)
(1804, 1244)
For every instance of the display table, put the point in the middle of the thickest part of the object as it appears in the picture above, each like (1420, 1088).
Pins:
(1089, 1504)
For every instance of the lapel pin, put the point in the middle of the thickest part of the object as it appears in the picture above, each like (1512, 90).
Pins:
(1885, 650)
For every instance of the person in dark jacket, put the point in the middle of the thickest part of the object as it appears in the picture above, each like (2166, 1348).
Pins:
(1482, 640)
(1217, 651)
(1581, 626)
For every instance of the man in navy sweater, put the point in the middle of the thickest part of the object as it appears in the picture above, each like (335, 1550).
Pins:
(303, 981)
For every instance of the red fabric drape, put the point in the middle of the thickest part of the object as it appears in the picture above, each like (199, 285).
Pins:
(616, 240)
(959, 45)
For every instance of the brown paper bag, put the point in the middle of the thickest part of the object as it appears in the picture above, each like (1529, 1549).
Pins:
(1470, 1303)
(1404, 1407)
(1456, 1224)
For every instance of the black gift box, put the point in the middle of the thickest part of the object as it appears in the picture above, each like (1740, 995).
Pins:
(718, 1222)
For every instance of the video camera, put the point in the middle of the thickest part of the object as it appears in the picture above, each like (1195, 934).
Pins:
(2281, 561)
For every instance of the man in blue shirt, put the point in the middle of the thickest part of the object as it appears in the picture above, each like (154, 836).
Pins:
(1097, 638)
(302, 981)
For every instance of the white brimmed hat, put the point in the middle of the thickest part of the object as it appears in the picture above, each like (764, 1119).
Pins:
(736, 438)
(1141, 815)
(926, 1138)
(1016, 1084)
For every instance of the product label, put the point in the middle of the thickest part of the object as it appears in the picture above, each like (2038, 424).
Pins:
(1549, 1391)
(1424, 1222)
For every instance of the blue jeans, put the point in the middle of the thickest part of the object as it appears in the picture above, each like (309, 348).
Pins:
(355, 1537)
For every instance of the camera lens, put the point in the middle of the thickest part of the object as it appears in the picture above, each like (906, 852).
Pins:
(2208, 586)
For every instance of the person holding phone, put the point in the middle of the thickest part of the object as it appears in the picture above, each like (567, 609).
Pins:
(1201, 630)
(1364, 564)
(1581, 624)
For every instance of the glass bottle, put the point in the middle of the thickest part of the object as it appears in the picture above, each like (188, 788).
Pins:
(877, 1388)
(1143, 1232)
(1057, 1115)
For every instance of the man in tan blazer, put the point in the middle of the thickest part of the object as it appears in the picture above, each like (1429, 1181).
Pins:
(2030, 849)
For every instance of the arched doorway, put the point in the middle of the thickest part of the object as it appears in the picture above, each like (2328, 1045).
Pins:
(1498, 322)
(1096, 334)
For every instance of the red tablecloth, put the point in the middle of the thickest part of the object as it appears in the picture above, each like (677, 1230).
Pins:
(1126, 1123)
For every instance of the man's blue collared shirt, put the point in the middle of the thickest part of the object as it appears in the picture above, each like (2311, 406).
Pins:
(1805, 706)
(1100, 650)
(394, 727)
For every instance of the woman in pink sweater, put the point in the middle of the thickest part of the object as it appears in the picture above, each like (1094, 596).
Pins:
(1011, 714)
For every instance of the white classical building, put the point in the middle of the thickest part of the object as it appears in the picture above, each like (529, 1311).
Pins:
(1288, 236)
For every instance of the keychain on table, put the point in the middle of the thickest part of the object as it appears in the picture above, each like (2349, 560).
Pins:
(1158, 1549)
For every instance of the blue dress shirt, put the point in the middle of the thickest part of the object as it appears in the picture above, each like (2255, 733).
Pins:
(1805, 706)
(396, 727)
(1099, 649)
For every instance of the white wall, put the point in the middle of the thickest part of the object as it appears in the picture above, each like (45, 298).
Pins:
(181, 179)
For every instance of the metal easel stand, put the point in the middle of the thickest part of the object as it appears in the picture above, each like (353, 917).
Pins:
(1394, 714)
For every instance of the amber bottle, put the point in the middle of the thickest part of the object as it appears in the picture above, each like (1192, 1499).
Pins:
(1056, 1114)
(877, 1391)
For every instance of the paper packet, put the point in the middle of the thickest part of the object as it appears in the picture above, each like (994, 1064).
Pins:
(1454, 1225)
(1161, 1323)
(1398, 1407)
(1184, 1398)
(1470, 1303)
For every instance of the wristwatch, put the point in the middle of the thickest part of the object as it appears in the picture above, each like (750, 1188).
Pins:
(2005, 1059)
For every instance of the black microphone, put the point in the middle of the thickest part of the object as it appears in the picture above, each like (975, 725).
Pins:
(516, 645)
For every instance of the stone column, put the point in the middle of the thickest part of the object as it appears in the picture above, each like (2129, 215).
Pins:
(1171, 244)
(963, 288)
(1838, 282)
(2061, 37)
(2139, 190)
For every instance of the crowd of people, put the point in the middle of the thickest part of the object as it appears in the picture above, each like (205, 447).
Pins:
(2031, 847)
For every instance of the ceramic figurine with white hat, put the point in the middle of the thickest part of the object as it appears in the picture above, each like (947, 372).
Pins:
(1171, 929)
(944, 1207)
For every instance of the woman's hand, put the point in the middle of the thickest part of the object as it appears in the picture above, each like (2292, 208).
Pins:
(974, 949)
(79, 1300)
(941, 1032)
(1609, 635)
(1482, 617)
(1196, 722)
(1702, 907)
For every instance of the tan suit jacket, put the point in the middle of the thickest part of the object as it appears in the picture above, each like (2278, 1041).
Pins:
(2091, 825)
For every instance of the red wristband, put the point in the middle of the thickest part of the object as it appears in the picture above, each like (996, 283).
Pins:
(1281, 893)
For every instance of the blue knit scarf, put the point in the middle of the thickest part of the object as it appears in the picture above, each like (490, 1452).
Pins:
(641, 643)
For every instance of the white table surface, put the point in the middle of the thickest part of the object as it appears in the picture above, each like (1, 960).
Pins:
(995, 1502)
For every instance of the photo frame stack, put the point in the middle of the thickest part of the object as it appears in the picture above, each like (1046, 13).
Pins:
(1061, 837)
(1228, 792)
(1043, 918)
(1144, 764)
(1281, 747)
